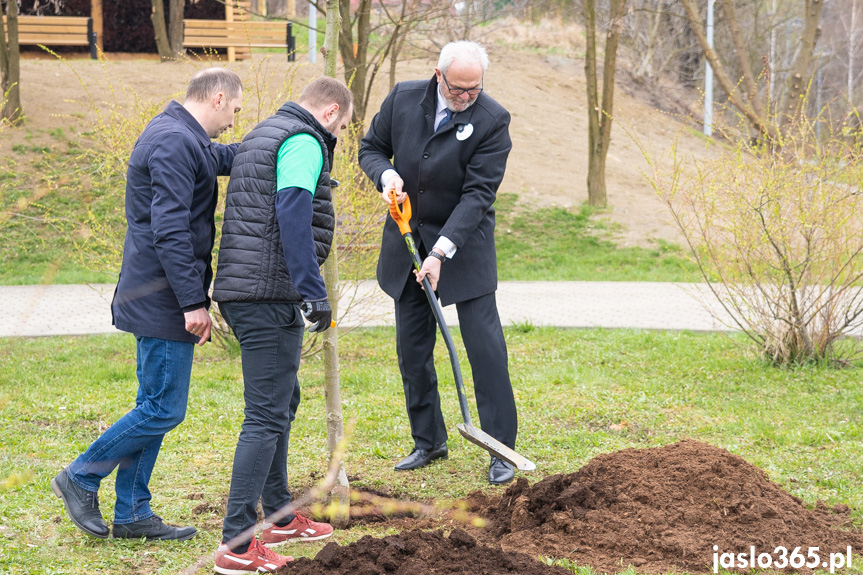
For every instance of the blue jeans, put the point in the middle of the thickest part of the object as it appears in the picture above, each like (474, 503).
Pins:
(132, 443)
(271, 341)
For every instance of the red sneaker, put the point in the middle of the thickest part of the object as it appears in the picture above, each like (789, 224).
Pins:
(258, 559)
(300, 529)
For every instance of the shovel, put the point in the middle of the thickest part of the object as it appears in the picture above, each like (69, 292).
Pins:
(473, 434)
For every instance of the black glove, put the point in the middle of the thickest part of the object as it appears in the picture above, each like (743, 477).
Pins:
(319, 313)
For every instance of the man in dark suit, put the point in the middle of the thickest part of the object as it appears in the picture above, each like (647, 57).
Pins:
(449, 142)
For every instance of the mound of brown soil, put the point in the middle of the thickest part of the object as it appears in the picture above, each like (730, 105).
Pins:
(416, 552)
(660, 509)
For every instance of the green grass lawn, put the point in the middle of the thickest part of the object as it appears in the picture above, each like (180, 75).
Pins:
(49, 197)
(556, 244)
(580, 393)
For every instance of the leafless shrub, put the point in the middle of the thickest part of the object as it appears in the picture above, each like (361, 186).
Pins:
(777, 235)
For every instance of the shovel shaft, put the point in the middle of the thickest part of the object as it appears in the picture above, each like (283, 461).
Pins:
(402, 216)
(438, 314)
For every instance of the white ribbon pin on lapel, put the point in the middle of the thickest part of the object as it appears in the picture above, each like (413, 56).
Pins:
(464, 131)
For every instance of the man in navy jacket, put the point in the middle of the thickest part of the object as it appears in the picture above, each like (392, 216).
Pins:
(444, 143)
(161, 297)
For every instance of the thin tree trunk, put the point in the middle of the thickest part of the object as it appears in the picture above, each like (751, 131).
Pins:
(596, 192)
(98, 22)
(599, 117)
(364, 26)
(771, 64)
(595, 196)
(346, 43)
(742, 56)
(394, 56)
(163, 45)
(175, 28)
(10, 66)
(609, 69)
(723, 79)
(852, 50)
(798, 79)
(335, 421)
(399, 34)
(645, 67)
(355, 62)
(4, 52)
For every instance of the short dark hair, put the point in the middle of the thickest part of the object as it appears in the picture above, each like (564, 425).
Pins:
(325, 91)
(210, 81)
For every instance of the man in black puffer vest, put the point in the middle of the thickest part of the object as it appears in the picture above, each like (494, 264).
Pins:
(278, 230)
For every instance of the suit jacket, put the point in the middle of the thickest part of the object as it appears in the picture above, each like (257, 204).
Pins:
(451, 178)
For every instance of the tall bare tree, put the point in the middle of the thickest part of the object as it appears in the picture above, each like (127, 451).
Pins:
(175, 27)
(10, 65)
(852, 51)
(743, 61)
(354, 47)
(838, 61)
(402, 25)
(599, 114)
(746, 101)
(364, 58)
(647, 19)
(801, 71)
(335, 420)
(169, 35)
(659, 40)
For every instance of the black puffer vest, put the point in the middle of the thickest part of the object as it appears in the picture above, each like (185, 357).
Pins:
(251, 263)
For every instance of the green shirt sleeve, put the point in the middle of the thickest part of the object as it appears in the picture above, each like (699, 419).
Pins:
(299, 164)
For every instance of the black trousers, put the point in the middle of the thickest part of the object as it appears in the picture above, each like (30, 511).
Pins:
(271, 340)
(416, 332)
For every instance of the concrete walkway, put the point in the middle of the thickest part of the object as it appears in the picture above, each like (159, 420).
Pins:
(86, 309)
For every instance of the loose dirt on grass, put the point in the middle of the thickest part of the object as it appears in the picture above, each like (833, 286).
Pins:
(415, 552)
(659, 510)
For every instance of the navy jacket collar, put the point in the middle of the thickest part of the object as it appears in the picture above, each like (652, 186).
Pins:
(177, 111)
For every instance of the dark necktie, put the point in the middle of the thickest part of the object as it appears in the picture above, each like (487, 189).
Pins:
(447, 117)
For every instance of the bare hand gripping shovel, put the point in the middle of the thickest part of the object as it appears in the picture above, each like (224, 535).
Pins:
(473, 434)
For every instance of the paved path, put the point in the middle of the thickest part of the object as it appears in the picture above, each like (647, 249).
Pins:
(85, 309)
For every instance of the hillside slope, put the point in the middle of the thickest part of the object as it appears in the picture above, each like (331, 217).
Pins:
(545, 94)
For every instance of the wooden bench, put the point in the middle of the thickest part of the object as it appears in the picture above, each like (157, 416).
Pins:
(237, 34)
(57, 31)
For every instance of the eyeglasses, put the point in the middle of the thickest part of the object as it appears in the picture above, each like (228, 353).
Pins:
(459, 91)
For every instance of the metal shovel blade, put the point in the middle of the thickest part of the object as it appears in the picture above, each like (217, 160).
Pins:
(493, 446)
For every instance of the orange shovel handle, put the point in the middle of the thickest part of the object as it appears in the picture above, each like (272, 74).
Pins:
(401, 214)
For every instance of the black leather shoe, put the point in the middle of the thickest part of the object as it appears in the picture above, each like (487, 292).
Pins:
(422, 457)
(81, 505)
(499, 472)
(153, 528)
